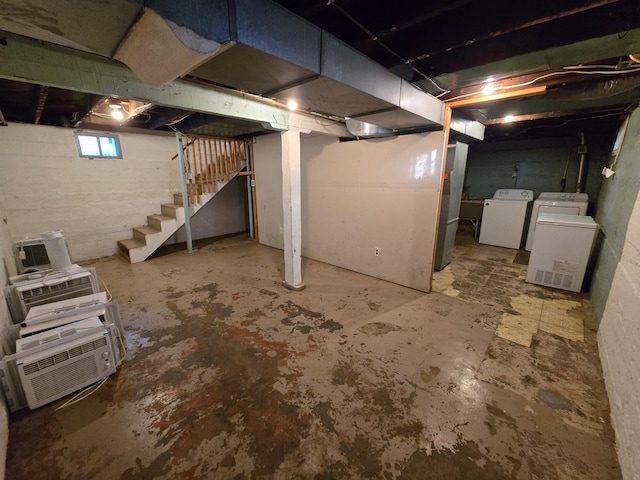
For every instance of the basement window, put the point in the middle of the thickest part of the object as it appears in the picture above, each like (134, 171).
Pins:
(99, 146)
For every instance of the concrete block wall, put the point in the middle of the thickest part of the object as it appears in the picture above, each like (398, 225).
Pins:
(541, 164)
(358, 196)
(613, 214)
(6, 268)
(616, 297)
(46, 185)
(619, 341)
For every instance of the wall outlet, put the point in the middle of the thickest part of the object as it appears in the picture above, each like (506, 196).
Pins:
(376, 252)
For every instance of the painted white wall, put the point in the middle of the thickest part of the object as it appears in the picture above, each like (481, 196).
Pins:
(6, 268)
(267, 166)
(358, 196)
(225, 213)
(619, 342)
(46, 186)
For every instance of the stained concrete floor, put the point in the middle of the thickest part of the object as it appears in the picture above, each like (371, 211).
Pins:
(229, 375)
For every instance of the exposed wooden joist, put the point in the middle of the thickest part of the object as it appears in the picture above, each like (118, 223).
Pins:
(555, 114)
(518, 26)
(480, 99)
(169, 117)
(27, 60)
(586, 51)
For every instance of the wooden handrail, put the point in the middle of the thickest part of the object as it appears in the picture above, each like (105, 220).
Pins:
(209, 160)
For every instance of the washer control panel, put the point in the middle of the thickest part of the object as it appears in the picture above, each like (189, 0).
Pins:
(514, 194)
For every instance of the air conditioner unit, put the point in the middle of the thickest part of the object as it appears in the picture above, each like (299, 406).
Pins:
(76, 355)
(50, 250)
(58, 314)
(48, 363)
(53, 286)
(31, 256)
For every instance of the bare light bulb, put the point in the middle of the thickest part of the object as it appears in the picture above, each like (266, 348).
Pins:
(508, 118)
(488, 89)
(117, 114)
(292, 104)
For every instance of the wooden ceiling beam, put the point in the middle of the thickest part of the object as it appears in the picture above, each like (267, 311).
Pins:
(480, 99)
(465, 41)
(617, 110)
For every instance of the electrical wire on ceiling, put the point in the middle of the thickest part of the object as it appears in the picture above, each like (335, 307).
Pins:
(177, 120)
(376, 39)
(144, 106)
(102, 115)
(569, 70)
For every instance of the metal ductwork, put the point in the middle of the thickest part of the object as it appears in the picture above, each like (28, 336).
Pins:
(253, 46)
(260, 56)
(367, 130)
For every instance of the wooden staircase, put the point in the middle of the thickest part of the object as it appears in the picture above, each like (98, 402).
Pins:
(211, 164)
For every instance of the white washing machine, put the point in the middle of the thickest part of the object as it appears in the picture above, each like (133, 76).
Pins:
(560, 203)
(503, 217)
(561, 250)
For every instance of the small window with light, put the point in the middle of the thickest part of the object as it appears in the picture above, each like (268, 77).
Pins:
(99, 146)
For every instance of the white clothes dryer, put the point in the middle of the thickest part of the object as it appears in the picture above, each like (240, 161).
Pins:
(503, 217)
(559, 203)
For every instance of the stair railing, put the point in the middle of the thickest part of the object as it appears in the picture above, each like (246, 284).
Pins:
(209, 160)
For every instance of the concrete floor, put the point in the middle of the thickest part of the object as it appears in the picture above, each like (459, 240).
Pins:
(229, 375)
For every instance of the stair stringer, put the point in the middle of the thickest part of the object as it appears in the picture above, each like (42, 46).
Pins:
(147, 238)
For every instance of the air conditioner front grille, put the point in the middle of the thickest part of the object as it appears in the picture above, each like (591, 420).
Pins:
(76, 287)
(43, 363)
(66, 377)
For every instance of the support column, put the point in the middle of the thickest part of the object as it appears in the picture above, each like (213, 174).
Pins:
(292, 209)
(185, 196)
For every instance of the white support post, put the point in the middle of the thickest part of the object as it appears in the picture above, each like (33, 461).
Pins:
(292, 209)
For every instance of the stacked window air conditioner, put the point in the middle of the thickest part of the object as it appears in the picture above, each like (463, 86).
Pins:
(35, 289)
(66, 334)
(60, 348)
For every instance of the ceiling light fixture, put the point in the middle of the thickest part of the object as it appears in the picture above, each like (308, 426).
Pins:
(488, 89)
(292, 104)
(116, 112)
(508, 118)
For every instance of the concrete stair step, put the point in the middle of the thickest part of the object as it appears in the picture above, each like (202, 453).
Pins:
(129, 244)
(169, 209)
(159, 227)
(156, 221)
(140, 233)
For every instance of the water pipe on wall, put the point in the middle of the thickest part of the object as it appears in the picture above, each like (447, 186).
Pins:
(514, 175)
(563, 180)
(582, 151)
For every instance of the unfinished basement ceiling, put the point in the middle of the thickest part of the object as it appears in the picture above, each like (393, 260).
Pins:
(557, 67)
